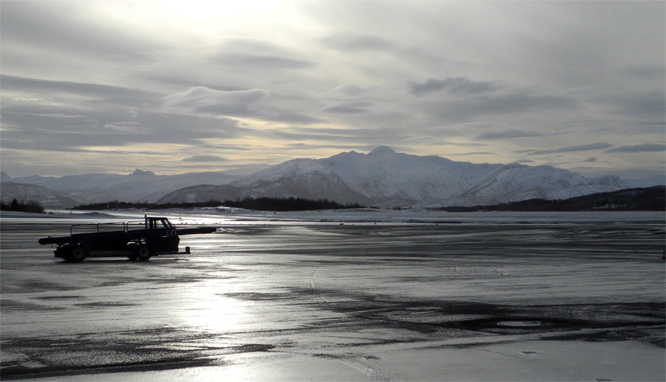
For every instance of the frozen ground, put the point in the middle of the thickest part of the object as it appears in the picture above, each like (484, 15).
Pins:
(300, 299)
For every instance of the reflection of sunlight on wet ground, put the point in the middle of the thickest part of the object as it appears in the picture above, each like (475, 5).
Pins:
(207, 309)
(263, 367)
(245, 367)
(312, 302)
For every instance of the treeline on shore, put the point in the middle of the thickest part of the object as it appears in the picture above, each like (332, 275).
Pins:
(21, 206)
(257, 204)
(634, 199)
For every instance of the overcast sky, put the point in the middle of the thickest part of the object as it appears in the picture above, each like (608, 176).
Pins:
(183, 86)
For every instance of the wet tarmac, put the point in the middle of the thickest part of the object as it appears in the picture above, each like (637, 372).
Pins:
(344, 302)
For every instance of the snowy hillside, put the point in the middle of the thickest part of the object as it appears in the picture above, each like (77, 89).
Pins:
(304, 178)
(518, 182)
(385, 178)
(42, 195)
(142, 186)
(395, 179)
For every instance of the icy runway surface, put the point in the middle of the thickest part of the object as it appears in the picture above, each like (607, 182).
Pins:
(367, 302)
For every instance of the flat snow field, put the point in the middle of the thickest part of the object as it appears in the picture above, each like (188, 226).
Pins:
(353, 302)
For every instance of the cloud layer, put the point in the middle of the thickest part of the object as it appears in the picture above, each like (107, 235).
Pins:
(175, 87)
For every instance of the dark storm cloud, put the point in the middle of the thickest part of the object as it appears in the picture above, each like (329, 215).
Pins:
(71, 115)
(594, 146)
(508, 134)
(341, 147)
(385, 135)
(520, 101)
(509, 104)
(295, 118)
(205, 158)
(649, 105)
(56, 132)
(299, 133)
(648, 147)
(259, 55)
(102, 93)
(260, 61)
(52, 132)
(186, 129)
(349, 107)
(457, 86)
(201, 99)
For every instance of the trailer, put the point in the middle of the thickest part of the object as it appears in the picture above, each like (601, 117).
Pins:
(134, 240)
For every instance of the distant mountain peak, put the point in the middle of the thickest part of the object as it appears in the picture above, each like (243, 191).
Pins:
(138, 172)
(381, 178)
(382, 150)
(4, 177)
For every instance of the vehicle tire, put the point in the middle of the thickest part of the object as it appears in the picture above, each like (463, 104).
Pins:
(64, 252)
(144, 252)
(78, 254)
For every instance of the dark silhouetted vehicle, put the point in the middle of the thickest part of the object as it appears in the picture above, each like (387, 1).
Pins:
(136, 241)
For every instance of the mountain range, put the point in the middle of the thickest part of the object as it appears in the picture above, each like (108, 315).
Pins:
(381, 178)
(72, 190)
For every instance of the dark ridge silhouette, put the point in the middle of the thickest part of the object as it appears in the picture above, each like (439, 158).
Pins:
(632, 199)
(258, 204)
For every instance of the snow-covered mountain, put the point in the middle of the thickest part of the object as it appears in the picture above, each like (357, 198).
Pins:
(385, 178)
(139, 186)
(304, 178)
(381, 178)
(655, 180)
(42, 195)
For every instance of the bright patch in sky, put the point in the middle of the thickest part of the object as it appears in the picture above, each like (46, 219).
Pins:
(214, 9)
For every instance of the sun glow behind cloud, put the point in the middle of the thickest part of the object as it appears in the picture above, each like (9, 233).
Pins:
(260, 82)
(216, 9)
(210, 18)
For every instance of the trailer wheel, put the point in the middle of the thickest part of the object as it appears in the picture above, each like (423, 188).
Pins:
(144, 252)
(78, 254)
